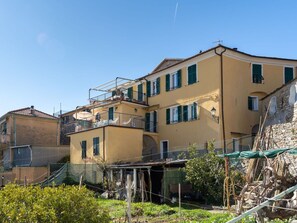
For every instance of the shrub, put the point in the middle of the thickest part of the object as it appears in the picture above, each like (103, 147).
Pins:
(52, 204)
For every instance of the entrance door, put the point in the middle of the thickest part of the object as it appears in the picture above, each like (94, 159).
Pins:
(164, 149)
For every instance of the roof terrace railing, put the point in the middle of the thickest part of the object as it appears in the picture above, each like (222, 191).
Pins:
(105, 119)
(121, 95)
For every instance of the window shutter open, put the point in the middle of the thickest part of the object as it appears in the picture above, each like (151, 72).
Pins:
(110, 113)
(195, 108)
(140, 93)
(179, 112)
(130, 93)
(155, 121)
(147, 122)
(257, 73)
(289, 74)
(168, 116)
(148, 88)
(250, 103)
(192, 76)
(158, 85)
(185, 113)
(167, 82)
(179, 79)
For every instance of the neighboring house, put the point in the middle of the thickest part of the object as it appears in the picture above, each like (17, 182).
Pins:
(280, 109)
(30, 137)
(212, 95)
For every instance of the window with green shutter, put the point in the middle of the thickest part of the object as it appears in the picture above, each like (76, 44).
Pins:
(83, 145)
(110, 113)
(257, 75)
(253, 103)
(96, 146)
(167, 82)
(155, 121)
(140, 93)
(147, 122)
(130, 93)
(148, 88)
(179, 78)
(289, 74)
(185, 113)
(179, 112)
(192, 74)
(158, 85)
(168, 116)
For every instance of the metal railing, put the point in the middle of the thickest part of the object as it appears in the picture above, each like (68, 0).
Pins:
(106, 119)
(121, 95)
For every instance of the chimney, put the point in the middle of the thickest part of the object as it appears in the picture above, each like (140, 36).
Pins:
(32, 110)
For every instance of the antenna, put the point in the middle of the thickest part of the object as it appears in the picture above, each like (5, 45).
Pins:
(218, 42)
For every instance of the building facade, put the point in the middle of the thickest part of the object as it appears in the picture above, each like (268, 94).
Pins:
(214, 95)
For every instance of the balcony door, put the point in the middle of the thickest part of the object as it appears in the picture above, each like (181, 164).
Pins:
(164, 149)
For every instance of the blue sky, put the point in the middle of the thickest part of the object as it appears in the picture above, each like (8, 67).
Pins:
(53, 51)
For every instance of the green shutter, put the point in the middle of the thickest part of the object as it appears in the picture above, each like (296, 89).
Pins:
(110, 113)
(155, 121)
(192, 76)
(140, 93)
(113, 93)
(179, 79)
(257, 73)
(130, 93)
(179, 113)
(158, 85)
(167, 82)
(289, 72)
(185, 113)
(148, 88)
(195, 107)
(83, 145)
(168, 116)
(147, 122)
(250, 103)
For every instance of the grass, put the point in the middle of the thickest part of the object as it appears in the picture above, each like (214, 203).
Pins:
(153, 213)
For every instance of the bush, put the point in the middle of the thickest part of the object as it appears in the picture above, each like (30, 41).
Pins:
(52, 204)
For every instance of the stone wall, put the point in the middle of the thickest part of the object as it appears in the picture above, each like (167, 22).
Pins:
(280, 126)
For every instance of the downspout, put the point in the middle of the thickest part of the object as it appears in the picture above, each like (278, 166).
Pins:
(103, 144)
(222, 95)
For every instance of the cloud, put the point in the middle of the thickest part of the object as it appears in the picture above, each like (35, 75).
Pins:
(42, 38)
(175, 13)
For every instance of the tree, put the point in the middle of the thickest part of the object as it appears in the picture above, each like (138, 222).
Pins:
(206, 174)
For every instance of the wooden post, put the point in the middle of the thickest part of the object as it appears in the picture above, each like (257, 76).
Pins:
(179, 200)
(150, 180)
(129, 198)
(25, 181)
(142, 187)
(135, 181)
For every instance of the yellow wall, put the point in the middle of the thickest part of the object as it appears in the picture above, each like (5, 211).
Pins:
(120, 144)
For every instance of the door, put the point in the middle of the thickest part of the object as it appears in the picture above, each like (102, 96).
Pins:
(236, 145)
(164, 149)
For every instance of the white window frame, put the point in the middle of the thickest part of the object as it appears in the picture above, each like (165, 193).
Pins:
(173, 114)
(154, 87)
(197, 80)
(261, 73)
(284, 72)
(257, 100)
(173, 80)
(161, 148)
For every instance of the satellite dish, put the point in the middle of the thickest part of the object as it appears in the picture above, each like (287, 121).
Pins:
(83, 116)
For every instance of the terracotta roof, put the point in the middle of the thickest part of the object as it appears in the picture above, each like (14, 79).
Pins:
(167, 62)
(28, 112)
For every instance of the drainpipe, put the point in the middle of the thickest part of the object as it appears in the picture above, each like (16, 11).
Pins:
(222, 95)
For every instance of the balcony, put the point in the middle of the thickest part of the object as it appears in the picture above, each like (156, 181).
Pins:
(120, 95)
(117, 119)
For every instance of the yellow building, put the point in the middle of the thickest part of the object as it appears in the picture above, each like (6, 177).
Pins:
(211, 95)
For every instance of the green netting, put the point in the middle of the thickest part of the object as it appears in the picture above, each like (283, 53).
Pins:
(260, 154)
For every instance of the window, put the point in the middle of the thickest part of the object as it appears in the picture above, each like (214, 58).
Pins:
(4, 128)
(173, 80)
(288, 74)
(190, 112)
(257, 76)
(110, 113)
(174, 115)
(151, 121)
(192, 74)
(253, 103)
(96, 146)
(153, 87)
(83, 145)
(140, 93)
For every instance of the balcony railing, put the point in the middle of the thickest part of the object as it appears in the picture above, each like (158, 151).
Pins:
(121, 95)
(106, 119)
